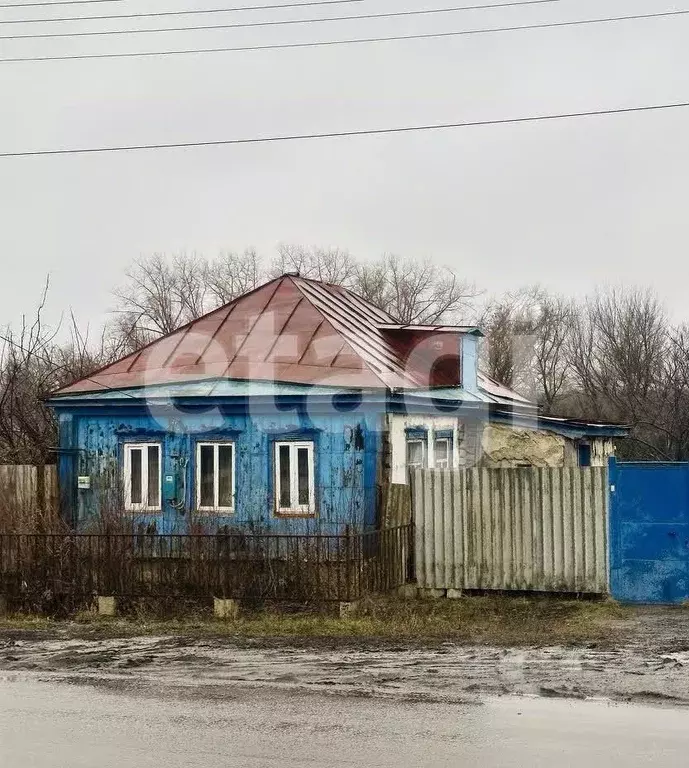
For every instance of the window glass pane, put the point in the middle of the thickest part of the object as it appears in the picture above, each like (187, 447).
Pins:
(584, 455)
(225, 475)
(415, 453)
(153, 476)
(284, 490)
(135, 475)
(303, 475)
(442, 453)
(206, 473)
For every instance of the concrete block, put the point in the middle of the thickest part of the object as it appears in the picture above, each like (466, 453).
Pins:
(107, 605)
(347, 610)
(408, 591)
(432, 594)
(225, 609)
(455, 594)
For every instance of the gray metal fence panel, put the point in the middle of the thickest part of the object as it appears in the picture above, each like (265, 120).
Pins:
(527, 529)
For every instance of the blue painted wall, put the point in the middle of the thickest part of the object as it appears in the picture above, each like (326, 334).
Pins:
(346, 455)
(649, 532)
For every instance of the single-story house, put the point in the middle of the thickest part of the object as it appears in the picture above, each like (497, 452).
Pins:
(294, 403)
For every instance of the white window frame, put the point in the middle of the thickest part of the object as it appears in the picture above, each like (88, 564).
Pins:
(295, 509)
(448, 440)
(424, 452)
(216, 475)
(144, 506)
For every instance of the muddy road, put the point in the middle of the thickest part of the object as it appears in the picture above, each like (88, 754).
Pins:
(651, 665)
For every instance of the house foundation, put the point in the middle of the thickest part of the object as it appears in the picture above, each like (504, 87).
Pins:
(225, 609)
(107, 605)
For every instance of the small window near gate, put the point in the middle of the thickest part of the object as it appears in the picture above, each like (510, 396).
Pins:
(584, 455)
(215, 473)
(294, 478)
(142, 476)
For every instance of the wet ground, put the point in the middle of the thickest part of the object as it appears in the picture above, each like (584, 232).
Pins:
(49, 725)
(68, 701)
(649, 665)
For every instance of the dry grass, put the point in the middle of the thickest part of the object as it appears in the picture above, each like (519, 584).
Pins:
(494, 620)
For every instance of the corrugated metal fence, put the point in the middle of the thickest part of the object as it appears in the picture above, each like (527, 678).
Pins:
(512, 529)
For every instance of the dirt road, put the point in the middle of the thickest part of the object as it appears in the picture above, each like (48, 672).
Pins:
(651, 664)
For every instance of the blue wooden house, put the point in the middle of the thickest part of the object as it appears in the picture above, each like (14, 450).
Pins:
(289, 408)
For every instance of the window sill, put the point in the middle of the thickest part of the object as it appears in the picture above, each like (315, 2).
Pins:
(217, 511)
(297, 513)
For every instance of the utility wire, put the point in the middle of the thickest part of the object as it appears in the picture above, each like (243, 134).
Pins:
(207, 10)
(55, 2)
(342, 134)
(329, 43)
(243, 25)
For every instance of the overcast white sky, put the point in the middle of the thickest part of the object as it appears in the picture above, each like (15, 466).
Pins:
(570, 204)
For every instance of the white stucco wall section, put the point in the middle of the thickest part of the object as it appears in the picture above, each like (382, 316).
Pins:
(490, 445)
(397, 426)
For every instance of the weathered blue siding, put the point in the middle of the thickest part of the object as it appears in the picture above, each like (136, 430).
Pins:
(346, 454)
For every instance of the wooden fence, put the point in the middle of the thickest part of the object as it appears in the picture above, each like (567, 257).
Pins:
(512, 529)
(28, 495)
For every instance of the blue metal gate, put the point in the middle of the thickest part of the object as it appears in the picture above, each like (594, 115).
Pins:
(649, 532)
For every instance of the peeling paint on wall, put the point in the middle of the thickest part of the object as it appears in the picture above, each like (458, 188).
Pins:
(346, 450)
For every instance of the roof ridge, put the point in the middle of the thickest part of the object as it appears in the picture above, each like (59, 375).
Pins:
(328, 320)
(389, 362)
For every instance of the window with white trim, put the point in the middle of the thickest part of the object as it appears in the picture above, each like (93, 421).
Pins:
(142, 476)
(442, 452)
(416, 454)
(294, 478)
(215, 476)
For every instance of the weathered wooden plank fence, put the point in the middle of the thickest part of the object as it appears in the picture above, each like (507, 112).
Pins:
(27, 492)
(512, 529)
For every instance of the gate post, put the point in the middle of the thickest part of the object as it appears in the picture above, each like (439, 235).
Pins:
(614, 529)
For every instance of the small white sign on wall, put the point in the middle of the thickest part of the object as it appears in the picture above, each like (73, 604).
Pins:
(83, 482)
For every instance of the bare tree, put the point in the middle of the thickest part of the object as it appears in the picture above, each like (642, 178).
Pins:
(415, 291)
(527, 343)
(618, 348)
(552, 332)
(33, 364)
(627, 363)
(423, 292)
(161, 294)
(498, 323)
(233, 274)
(330, 265)
(25, 378)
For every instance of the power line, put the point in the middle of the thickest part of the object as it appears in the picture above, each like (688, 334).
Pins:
(56, 2)
(343, 134)
(244, 25)
(329, 43)
(207, 10)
